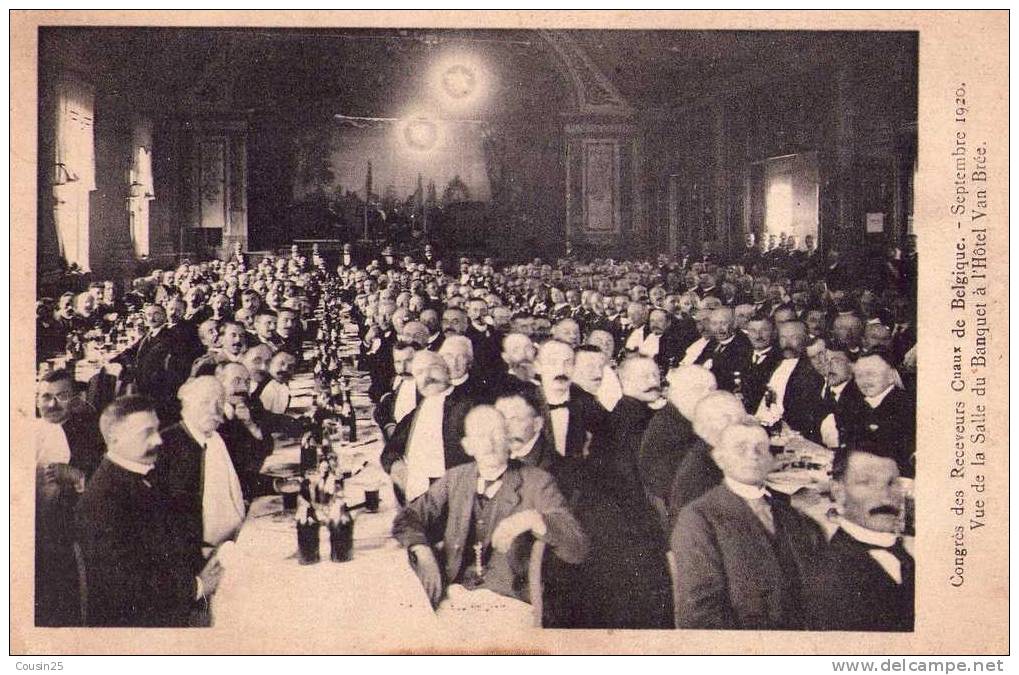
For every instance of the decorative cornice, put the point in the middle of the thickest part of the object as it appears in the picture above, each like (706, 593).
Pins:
(593, 91)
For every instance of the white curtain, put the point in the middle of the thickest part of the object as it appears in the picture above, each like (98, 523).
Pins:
(141, 190)
(74, 171)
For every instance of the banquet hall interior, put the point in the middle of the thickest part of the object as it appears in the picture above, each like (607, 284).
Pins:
(611, 141)
(384, 261)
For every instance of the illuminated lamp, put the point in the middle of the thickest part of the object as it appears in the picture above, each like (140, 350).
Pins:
(459, 81)
(421, 134)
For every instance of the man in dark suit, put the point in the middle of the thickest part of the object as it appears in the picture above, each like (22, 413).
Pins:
(697, 472)
(728, 352)
(490, 511)
(670, 432)
(402, 397)
(150, 361)
(794, 385)
(888, 416)
(517, 371)
(68, 448)
(764, 358)
(865, 580)
(137, 559)
(247, 442)
(458, 353)
(522, 411)
(196, 473)
(483, 338)
(426, 443)
(841, 401)
(573, 417)
(742, 553)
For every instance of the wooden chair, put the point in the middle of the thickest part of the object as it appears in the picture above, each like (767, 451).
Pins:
(674, 578)
(535, 585)
(79, 560)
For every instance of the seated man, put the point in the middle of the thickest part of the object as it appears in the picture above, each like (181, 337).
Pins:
(865, 580)
(486, 506)
(275, 395)
(137, 557)
(197, 474)
(741, 553)
(68, 448)
(400, 400)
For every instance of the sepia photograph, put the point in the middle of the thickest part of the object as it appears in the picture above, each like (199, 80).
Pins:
(485, 336)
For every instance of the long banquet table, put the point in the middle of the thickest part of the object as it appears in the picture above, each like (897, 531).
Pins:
(264, 584)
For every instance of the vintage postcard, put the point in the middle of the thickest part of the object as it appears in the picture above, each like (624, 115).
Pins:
(532, 332)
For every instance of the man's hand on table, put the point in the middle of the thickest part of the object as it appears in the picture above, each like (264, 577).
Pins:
(427, 569)
(513, 526)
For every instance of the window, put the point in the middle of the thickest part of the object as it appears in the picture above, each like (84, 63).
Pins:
(74, 173)
(790, 197)
(141, 191)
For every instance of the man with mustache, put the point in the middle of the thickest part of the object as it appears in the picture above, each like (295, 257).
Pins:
(196, 472)
(68, 448)
(489, 505)
(794, 385)
(572, 416)
(427, 442)
(742, 552)
(403, 396)
(230, 348)
(137, 557)
(866, 579)
(764, 358)
(728, 351)
(841, 401)
(628, 581)
(244, 430)
(615, 451)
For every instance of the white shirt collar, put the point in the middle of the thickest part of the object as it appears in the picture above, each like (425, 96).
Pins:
(456, 382)
(837, 389)
(867, 536)
(875, 401)
(744, 491)
(129, 465)
(762, 352)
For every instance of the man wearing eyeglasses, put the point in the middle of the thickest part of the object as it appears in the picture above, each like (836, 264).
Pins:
(68, 448)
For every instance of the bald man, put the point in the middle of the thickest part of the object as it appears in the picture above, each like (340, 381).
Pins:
(489, 510)
(195, 469)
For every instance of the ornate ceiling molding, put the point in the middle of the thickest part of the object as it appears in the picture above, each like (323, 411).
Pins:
(593, 92)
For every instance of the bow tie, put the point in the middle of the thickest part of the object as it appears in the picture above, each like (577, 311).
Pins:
(556, 406)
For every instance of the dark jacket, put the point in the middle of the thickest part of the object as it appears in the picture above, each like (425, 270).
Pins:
(848, 590)
(733, 574)
(180, 474)
(136, 559)
(454, 410)
(662, 449)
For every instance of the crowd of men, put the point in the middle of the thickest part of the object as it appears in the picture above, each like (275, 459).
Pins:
(619, 411)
